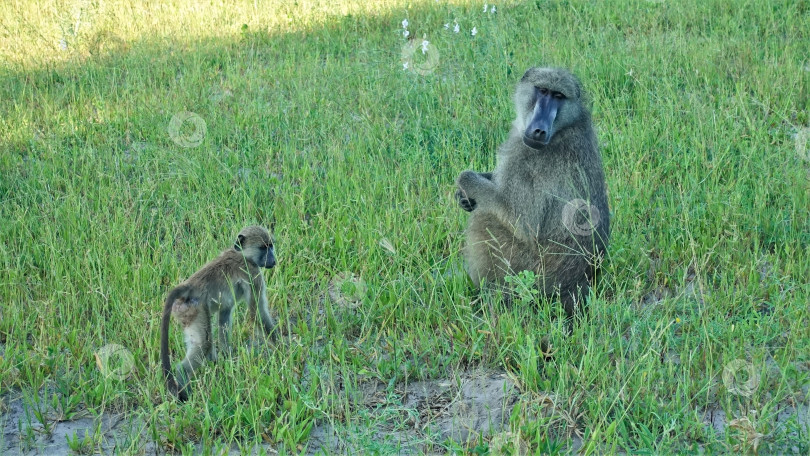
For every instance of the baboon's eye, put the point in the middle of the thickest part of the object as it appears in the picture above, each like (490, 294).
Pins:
(558, 95)
(543, 91)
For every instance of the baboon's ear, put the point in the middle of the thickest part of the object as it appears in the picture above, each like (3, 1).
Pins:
(239, 240)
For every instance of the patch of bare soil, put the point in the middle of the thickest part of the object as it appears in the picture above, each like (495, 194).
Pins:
(24, 434)
(417, 417)
(413, 419)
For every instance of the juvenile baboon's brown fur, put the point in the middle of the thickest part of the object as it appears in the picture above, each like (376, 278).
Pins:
(518, 220)
(233, 276)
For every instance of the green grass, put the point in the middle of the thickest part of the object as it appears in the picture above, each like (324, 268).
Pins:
(312, 122)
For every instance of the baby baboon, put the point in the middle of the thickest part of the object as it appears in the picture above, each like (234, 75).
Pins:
(234, 275)
(544, 207)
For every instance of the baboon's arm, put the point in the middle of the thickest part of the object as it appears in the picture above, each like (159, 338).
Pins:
(268, 322)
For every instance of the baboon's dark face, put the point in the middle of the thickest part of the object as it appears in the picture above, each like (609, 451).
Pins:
(265, 256)
(541, 125)
(256, 246)
(547, 101)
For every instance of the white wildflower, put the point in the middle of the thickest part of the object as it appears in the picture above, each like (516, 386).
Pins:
(447, 26)
(63, 45)
(405, 66)
(492, 10)
(485, 7)
(474, 31)
(405, 33)
(456, 29)
(425, 46)
(404, 23)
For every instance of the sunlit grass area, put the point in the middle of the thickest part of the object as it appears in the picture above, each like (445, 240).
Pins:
(137, 138)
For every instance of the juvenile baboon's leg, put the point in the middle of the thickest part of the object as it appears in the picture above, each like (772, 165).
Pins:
(225, 330)
(197, 336)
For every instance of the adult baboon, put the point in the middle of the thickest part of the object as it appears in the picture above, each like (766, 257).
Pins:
(544, 208)
(234, 275)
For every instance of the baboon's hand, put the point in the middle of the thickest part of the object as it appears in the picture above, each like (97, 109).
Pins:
(467, 184)
(468, 204)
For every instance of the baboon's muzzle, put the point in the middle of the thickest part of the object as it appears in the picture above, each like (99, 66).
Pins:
(540, 128)
(269, 260)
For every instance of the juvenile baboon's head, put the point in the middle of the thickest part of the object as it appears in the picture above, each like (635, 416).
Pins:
(547, 100)
(256, 245)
